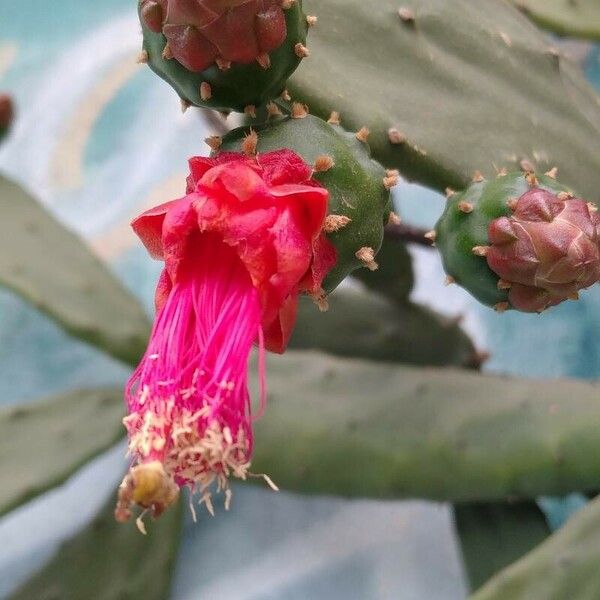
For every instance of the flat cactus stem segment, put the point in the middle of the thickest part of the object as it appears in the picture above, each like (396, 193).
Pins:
(234, 84)
(575, 18)
(564, 566)
(109, 560)
(52, 269)
(365, 429)
(418, 88)
(343, 165)
(42, 445)
(363, 324)
(495, 534)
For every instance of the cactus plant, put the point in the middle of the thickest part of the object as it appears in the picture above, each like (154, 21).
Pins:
(520, 241)
(292, 204)
(227, 55)
(359, 198)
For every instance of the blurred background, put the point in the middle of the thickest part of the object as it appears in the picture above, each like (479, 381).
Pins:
(97, 139)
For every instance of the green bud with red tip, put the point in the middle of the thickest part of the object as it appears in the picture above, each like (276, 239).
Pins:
(224, 54)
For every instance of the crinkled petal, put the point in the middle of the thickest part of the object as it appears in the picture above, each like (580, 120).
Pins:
(283, 167)
(149, 225)
(278, 333)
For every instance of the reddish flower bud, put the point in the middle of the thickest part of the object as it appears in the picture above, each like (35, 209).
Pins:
(200, 31)
(7, 112)
(238, 249)
(546, 251)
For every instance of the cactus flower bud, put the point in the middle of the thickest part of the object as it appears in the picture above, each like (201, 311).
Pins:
(525, 242)
(7, 113)
(243, 51)
(546, 251)
(238, 248)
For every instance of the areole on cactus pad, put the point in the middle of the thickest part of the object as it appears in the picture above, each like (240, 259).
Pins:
(238, 248)
(520, 241)
(359, 196)
(224, 54)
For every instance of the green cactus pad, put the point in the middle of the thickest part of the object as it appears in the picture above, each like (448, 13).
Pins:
(564, 566)
(580, 18)
(364, 324)
(458, 232)
(355, 182)
(462, 84)
(363, 428)
(52, 269)
(108, 560)
(240, 86)
(43, 444)
(495, 534)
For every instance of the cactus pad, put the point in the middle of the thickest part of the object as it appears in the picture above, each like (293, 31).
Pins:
(359, 203)
(454, 71)
(577, 18)
(224, 54)
(520, 241)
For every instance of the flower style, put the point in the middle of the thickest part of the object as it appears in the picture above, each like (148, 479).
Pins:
(238, 249)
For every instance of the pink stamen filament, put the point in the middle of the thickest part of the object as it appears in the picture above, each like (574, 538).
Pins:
(188, 400)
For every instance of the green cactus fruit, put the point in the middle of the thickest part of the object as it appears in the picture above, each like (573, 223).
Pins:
(224, 54)
(359, 197)
(7, 113)
(520, 241)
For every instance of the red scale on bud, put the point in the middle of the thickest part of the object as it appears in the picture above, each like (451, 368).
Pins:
(547, 250)
(199, 32)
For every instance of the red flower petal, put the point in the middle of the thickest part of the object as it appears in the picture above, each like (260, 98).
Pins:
(269, 210)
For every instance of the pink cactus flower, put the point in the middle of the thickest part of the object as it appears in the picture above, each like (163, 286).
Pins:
(238, 249)
(202, 32)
